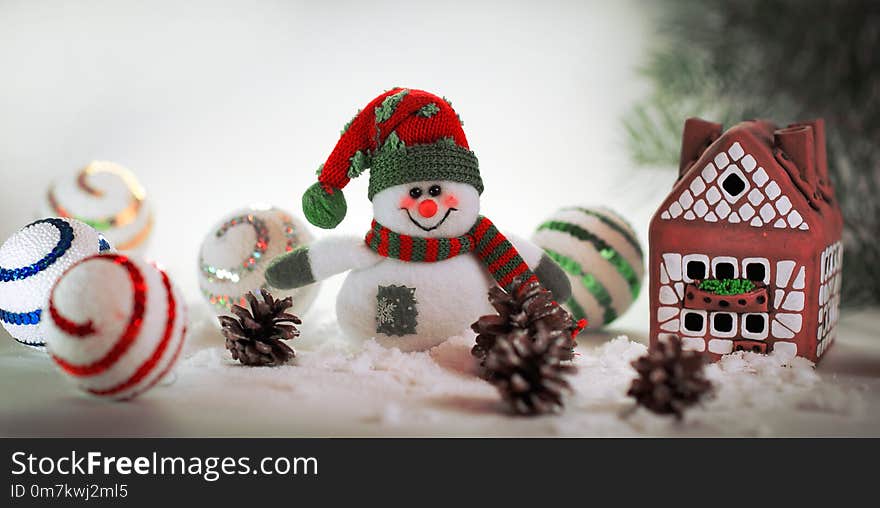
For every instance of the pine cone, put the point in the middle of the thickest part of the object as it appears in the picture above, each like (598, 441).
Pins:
(529, 308)
(529, 371)
(670, 379)
(255, 338)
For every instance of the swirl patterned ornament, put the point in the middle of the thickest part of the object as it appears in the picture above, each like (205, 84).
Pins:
(107, 197)
(602, 257)
(31, 261)
(115, 325)
(236, 251)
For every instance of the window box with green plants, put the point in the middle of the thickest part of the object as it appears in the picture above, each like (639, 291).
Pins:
(731, 295)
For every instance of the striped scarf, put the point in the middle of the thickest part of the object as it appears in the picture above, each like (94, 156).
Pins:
(494, 250)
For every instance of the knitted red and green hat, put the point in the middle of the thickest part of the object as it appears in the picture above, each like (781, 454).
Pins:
(402, 136)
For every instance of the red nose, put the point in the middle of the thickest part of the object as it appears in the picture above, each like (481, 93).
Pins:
(428, 208)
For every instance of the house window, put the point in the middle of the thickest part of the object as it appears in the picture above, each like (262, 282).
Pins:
(756, 269)
(696, 270)
(723, 324)
(693, 322)
(725, 267)
(696, 267)
(750, 345)
(724, 271)
(755, 326)
(734, 184)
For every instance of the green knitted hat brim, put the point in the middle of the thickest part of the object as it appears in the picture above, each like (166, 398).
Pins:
(322, 209)
(438, 161)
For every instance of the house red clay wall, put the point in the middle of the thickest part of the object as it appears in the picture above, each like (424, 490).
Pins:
(742, 241)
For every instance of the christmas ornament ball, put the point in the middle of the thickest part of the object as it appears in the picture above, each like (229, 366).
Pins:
(602, 257)
(31, 261)
(115, 325)
(107, 197)
(238, 248)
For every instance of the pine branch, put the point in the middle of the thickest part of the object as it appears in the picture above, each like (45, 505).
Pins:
(787, 60)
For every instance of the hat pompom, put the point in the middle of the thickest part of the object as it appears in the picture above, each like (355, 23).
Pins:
(322, 209)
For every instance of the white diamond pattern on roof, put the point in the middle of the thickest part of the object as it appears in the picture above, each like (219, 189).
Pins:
(709, 173)
(736, 151)
(755, 197)
(698, 186)
(686, 200)
(767, 212)
(713, 196)
(769, 207)
(783, 205)
(760, 177)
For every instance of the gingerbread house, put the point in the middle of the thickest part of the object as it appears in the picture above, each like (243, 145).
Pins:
(745, 252)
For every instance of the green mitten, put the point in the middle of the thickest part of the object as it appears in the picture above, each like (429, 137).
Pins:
(290, 270)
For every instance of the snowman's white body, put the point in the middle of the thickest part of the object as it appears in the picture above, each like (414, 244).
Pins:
(450, 295)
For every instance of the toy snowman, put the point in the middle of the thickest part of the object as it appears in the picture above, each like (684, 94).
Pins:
(422, 273)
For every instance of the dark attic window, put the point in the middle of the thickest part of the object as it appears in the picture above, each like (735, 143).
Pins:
(725, 271)
(693, 322)
(723, 322)
(755, 323)
(696, 270)
(756, 271)
(733, 184)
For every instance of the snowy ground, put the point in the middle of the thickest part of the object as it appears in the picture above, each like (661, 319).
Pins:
(335, 388)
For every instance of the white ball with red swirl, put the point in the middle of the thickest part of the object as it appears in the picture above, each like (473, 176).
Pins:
(115, 325)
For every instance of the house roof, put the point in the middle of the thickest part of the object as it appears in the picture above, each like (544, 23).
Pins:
(753, 174)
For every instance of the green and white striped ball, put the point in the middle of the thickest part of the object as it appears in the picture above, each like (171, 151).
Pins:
(601, 254)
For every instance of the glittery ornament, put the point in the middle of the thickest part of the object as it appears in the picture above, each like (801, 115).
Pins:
(31, 261)
(236, 251)
(115, 325)
(602, 256)
(107, 197)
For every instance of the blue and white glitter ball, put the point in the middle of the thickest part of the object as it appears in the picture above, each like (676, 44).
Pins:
(31, 261)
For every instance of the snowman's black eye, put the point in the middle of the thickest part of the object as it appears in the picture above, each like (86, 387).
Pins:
(415, 193)
(435, 190)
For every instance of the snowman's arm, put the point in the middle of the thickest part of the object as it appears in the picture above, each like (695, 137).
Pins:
(319, 260)
(549, 273)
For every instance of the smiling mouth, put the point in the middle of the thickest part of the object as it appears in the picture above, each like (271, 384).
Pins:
(435, 226)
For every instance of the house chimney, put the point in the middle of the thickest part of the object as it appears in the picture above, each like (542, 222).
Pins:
(821, 166)
(697, 136)
(797, 145)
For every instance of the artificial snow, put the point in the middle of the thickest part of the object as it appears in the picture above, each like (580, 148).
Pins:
(338, 387)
